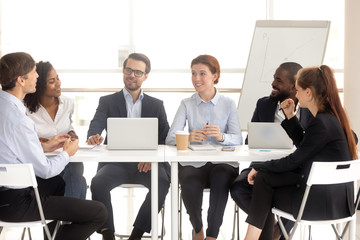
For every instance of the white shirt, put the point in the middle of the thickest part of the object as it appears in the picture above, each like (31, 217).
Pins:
(19, 142)
(46, 127)
(133, 109)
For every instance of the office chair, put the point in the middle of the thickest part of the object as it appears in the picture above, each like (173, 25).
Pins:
(161, 236)
(22, 175)
(324, 173)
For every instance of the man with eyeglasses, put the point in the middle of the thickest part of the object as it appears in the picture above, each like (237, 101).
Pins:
(130, 102)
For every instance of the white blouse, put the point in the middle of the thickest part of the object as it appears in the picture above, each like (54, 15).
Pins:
(46, 127)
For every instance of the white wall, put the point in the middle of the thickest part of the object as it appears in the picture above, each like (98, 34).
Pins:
(352, 63)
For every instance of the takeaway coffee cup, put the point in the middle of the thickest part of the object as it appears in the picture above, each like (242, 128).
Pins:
(182, 140)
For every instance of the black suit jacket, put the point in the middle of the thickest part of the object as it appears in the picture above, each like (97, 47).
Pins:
(114, 105)
(324, 140)
(265, 112)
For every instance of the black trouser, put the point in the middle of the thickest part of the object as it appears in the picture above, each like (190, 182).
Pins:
(111, 175)
(86, 216)
(217, 177)
(271, 190)
(241, 193)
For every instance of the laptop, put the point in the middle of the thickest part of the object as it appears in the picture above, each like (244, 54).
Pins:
(268, 135)
(132, 133)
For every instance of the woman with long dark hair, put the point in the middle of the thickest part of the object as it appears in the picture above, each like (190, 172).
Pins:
(52, 114)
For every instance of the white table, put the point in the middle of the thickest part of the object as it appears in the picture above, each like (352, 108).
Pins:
(241, 154)
(170, 154)
(101, 154)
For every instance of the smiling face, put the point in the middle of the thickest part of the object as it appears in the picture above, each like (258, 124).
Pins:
(202, 78)
(303, 95)
(53, 84)
(282, 86)
(133, 83)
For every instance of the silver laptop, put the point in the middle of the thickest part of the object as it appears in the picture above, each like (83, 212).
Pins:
(132, 133)
(267, 135)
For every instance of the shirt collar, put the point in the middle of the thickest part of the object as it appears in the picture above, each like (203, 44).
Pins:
(8, 96)
(128, 95)
(61, 101)
(214, 100)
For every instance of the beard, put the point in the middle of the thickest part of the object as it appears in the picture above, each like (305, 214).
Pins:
(132, 88)
(130, 85)
(281, 96)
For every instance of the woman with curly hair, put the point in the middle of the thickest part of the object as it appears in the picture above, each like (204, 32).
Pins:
(52, 114)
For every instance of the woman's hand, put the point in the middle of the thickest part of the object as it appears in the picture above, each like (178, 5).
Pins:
(288, 108)
(251, 176)
(213, 131)
(42, 140)
(197, 135)
(144, 166)
(73, 135)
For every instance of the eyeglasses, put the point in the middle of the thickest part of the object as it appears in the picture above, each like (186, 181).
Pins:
(137, 73)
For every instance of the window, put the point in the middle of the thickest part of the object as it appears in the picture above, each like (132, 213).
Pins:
(88, 40)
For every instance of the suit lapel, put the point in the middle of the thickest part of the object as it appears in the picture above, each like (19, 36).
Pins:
(121, 104)
(144, 107)
(269, 111)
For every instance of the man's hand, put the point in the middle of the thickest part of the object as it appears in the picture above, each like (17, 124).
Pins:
(144, 166)
(95, 140)
(71, 147)
(55, 142)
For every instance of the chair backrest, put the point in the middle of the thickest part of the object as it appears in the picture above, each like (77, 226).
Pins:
(334, 172)
(23, 175)
(18, 175)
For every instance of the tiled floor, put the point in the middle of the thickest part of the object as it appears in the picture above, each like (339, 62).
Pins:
(126, 203)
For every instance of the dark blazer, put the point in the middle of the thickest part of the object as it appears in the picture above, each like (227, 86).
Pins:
(323, 140)
(265, 112)
(114, 105)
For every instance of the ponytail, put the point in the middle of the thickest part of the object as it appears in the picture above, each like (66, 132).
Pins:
(334, 103)
(322, 81)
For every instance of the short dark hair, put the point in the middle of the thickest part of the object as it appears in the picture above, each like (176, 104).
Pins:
(12, 66)
(209, 61)
(140, 57)
(32, 100)
(292, 68)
